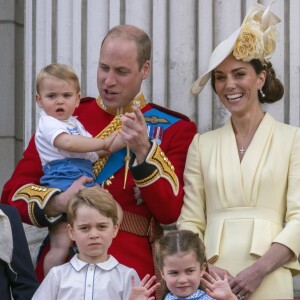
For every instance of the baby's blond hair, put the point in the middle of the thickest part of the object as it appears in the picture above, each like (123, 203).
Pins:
(59, 71)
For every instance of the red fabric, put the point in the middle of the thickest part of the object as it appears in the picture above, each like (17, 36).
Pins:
(159, 199)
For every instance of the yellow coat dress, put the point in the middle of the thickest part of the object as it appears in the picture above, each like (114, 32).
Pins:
(240, 208)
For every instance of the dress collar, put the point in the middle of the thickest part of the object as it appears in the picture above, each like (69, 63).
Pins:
(198, 295)
(138, 101)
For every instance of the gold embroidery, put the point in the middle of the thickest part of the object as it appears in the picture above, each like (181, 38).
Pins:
(156, 120)
(166, 170)
(31, 214)
(109, 180)
(139, 101)
(114, 125)
(33, 193)
(148, 180)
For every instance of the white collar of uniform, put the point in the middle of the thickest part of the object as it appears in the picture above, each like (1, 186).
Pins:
(78, 264)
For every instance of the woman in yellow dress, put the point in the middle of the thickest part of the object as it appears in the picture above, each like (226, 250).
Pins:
(242, 181)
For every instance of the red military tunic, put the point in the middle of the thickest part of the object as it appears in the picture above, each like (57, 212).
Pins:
(152, 192)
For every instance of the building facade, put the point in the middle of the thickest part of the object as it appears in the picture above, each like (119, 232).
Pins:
(35, 33)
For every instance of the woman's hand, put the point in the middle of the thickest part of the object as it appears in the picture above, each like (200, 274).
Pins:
(246, 282)
(249, 279)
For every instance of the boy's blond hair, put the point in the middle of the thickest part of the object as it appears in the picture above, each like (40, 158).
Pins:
(94, 197)
(59, 71)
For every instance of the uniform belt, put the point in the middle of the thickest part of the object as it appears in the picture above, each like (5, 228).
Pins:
(135, 224)
(141, 226)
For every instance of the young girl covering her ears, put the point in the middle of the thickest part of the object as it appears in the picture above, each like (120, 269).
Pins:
(181, 259)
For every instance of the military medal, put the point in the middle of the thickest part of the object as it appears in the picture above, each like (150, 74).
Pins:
(155, 133)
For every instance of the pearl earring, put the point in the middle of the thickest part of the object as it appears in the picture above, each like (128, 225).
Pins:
(262, 93)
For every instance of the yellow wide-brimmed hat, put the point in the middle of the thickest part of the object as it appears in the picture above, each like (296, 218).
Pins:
(255, 39)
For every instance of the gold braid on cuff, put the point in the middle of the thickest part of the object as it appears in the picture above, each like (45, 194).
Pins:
(114, 125)
(164, 168)
(33, 193)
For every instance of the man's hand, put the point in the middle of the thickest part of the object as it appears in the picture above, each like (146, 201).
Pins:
(58, 203)
(134, 132)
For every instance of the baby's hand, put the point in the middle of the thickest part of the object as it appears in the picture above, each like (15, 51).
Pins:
(114, 143)
(118, 143)
(109, 141)
(143, 291)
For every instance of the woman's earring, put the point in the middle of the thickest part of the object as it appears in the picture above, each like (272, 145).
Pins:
(262, 93)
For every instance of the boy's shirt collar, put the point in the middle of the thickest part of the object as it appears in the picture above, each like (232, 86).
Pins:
(78, 264)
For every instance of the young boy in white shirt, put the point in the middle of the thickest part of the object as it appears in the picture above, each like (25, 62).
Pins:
(93, 273)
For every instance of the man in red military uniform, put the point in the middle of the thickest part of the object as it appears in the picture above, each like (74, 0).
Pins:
(157, 142)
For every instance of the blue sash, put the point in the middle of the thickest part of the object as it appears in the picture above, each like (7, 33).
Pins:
(157, 119)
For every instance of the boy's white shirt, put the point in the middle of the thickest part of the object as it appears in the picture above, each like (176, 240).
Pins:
(49, 128)
(80, 280)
